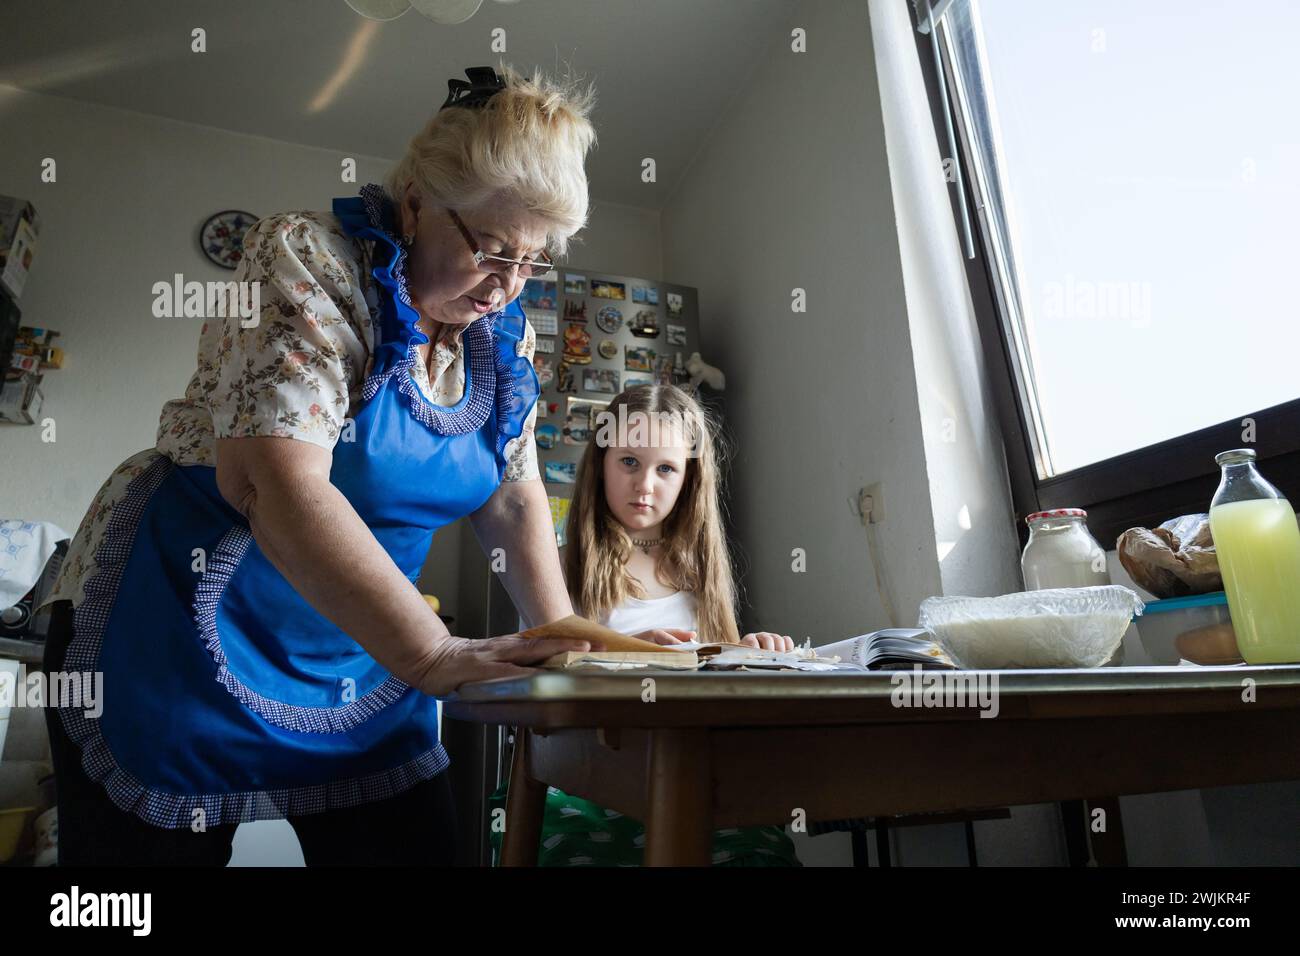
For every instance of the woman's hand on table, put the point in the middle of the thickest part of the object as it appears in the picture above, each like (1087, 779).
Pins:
(666, 635)
(459, 660)
(767, 641)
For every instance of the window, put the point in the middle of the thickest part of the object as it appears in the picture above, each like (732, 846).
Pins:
(1132, 175)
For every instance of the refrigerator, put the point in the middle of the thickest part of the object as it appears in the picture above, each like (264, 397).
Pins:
(597, 334)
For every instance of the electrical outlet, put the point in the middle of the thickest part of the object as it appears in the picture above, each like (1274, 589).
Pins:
(871, 503)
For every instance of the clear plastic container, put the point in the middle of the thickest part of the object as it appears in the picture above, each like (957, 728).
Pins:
(1056, 627)
(1196, 628)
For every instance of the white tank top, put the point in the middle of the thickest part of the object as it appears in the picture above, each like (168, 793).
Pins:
(635, 615)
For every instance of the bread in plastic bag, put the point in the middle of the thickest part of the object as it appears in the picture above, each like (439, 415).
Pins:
(1054, 627)
(1176, 559)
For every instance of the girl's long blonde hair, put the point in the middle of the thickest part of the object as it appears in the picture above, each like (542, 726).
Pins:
(694, 557)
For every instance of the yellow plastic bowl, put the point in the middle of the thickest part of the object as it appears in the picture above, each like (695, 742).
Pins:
(11, 831)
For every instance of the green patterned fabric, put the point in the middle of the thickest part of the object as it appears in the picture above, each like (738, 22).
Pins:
(576, 832)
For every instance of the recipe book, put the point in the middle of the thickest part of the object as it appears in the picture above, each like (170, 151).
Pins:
(894, 648)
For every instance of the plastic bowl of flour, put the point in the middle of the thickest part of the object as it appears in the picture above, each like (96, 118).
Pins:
(1054, 627)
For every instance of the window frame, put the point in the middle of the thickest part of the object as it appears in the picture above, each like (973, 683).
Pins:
(1143, 487)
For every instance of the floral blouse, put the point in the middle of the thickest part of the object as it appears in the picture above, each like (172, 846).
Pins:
(296, 373)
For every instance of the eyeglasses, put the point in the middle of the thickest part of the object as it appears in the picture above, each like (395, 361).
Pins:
(528, 268)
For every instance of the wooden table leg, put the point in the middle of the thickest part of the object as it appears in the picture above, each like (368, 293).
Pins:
(679, 799)
(1074, 821)
(525, 806)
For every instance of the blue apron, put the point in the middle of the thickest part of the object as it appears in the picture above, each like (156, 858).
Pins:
(224, 691)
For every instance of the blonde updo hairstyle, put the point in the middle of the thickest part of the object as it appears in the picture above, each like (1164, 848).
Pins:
(530, 139)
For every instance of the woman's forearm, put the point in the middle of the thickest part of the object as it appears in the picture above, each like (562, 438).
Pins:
(315, 538)
(517, 521)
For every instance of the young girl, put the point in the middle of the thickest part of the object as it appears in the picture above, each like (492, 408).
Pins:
(647, 556)
(647, 552)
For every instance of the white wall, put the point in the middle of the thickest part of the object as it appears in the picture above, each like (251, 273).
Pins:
(792, 190)
(131, 194)
(974, 521)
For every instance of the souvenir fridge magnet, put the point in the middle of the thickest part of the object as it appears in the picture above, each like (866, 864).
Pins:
(609, 319)
(663, 369)
(600, 380)
(561, 472)
(634, 381)
(575, 311)
(577, 344)
(577, 422)
(645, 325)
(638, 359)
(607, 348)
(547, 436)
(545, 373)
(575, 284)
(538, 296)
(546, 346)
(674, 304)
(564, 379)
(604, 289)
(680, 376)
(559, 516)
(676, 334)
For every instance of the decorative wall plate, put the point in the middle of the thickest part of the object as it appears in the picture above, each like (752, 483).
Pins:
(222, 237)
(609, 319)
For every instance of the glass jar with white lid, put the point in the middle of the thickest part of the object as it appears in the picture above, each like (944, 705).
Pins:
(1061, 552)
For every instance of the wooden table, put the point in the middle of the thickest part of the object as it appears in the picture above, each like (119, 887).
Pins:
(716, 749)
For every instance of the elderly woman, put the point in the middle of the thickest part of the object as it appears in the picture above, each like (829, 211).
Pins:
(246, 587)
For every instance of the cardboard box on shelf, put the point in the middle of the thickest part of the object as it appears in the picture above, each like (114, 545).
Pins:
(13, 211)
(21, 399)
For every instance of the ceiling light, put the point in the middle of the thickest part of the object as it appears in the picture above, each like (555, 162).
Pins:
(439, 11)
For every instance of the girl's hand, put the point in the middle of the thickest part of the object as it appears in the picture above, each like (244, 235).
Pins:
(766, 641)
(666, 635)
(458, 660)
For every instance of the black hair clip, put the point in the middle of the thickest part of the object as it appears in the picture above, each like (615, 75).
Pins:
(483, 84)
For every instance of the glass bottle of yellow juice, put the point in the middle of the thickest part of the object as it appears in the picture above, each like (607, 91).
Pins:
(1257, 539)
